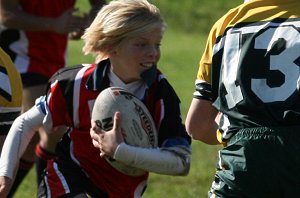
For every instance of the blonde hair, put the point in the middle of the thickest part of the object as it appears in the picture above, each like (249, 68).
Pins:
(118, 21)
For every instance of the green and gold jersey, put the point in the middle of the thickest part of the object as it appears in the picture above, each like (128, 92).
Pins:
(10, 92)
(251, 65)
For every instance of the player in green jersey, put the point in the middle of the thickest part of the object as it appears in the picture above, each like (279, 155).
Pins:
(249, 72)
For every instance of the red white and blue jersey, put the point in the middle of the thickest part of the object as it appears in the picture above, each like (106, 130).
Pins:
(251, 66)
(70, 99)
(37, 52)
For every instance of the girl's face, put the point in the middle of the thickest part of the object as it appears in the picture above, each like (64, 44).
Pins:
(136, 55)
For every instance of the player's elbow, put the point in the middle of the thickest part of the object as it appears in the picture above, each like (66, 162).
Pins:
(4, 19)
(183, 162)
(195, 130)
(195, 127)
(181, 169)
(185, 169)
(202, 132)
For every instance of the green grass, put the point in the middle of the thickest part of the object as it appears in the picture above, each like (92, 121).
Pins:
(181, 49)
(193, 15)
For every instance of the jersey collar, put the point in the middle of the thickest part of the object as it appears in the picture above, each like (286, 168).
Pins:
(98, 80)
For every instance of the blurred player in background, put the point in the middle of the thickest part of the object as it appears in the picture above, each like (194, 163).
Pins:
(35, 35)
(125, 36)
(249, 72)
(10, 95)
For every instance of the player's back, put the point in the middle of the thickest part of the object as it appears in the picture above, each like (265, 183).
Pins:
(258, 52)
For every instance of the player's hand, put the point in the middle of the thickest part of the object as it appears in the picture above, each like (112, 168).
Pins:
(76, 35)
(107, 141)
(5, 185)
(68, 22)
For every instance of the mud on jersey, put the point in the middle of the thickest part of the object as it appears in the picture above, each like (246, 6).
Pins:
(251, 66)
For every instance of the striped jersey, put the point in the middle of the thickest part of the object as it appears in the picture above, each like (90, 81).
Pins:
(251, 64)
(10, 92)
(70, 99)
(37, 52)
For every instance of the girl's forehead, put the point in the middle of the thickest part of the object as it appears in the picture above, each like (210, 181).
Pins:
(153, 34)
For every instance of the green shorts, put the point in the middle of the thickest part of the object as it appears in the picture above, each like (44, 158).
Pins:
(259, 162)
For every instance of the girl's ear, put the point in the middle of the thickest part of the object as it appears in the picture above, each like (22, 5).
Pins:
(111, 51)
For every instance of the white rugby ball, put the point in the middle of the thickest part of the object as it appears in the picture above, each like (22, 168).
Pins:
(137, 125)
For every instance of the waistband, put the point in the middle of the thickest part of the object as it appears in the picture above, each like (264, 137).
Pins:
(265, 131)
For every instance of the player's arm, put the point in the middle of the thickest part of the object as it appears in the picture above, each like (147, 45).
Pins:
(201, 118)
(173, 158)
(20, 133)
(12, 16)
(96, 5)
(17, 140)
(200, 121)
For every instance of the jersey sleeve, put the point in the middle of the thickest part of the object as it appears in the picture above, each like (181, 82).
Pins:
(171, 125)
(203, 83)
(207, 81)
(57, 109)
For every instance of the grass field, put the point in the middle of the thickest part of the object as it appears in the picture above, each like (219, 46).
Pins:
(181, 51)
